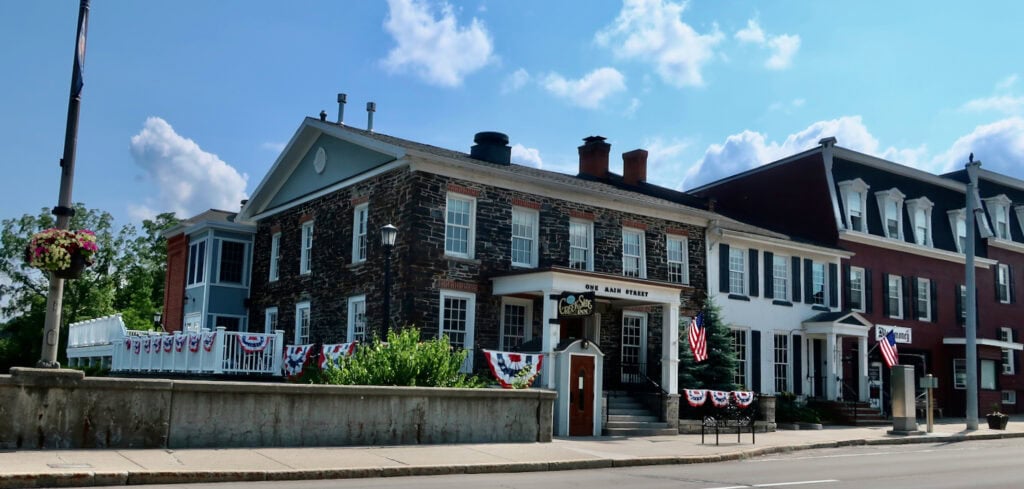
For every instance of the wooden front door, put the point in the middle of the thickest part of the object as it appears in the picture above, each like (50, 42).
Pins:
(581, 395)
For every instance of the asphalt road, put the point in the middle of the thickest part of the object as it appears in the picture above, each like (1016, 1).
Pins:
(972, 464)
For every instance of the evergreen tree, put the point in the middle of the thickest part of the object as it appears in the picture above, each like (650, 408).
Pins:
(718, 372)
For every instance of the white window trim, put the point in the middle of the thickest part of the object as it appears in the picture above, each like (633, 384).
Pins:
(1006, 334)
(1019, 210)
(891, 195)
(898, 313)
(267, 329)
(746, 360)
(642, 350)
(999, 206)
(824, 283)
(855, 186)
(275, 257)
(470, 234)
(1009, 397)
(1003, 272)
(245, 262)
(199, 269)
(787, 277)
(527, 327)
(926, 314)
(686, 255)
(743, 280)
(963, 306)
(365, 206)
(642, 273)
(590, 241)
(305, 255)
(299, 306)
(350, 330)
(963, 363)
(789, 359)
(956, 216)
(534, 237)
(470, 322)
(924, 205)
(863, 293)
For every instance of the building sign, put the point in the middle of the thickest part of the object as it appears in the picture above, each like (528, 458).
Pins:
(575, 304)
(903, 335)
(608, 289)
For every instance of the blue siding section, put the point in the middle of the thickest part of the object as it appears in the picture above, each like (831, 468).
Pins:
(344, 160)
(228, 300)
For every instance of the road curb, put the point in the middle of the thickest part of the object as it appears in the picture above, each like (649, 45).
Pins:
(87, 479)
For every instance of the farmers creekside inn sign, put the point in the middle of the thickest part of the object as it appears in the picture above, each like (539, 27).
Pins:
(575, 304)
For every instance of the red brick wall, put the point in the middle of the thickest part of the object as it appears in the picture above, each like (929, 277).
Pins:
(174, 288)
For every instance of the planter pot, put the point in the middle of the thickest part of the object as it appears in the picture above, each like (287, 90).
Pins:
(997, 421)
(75, 270)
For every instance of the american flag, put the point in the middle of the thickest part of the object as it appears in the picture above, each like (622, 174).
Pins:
(698, 338)
(888, 348)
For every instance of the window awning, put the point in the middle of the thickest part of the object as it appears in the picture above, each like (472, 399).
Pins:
(1003, 345)
(843, 323)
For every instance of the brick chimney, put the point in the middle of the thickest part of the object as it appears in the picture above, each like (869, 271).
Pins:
(594, 157)
(634, 167)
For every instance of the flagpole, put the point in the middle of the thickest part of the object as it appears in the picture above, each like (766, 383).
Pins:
(65, 210)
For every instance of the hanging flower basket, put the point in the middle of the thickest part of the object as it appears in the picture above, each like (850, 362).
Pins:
(63, 252)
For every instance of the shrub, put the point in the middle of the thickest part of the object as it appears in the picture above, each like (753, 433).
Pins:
(789, 409)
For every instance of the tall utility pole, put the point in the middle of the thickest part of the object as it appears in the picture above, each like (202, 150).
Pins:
(971, 328)
(64, 210)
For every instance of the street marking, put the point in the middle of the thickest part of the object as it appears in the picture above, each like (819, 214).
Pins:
(776, 484)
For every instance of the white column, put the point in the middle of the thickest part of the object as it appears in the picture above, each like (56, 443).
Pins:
(831, 379)
(551, 331)
(862, 367)
(670, 347)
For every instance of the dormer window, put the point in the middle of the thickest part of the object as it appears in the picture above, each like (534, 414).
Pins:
(1020, 215)
(853, 193)
(999, 213)
(920, 211)
(958, 223)
(891, 203)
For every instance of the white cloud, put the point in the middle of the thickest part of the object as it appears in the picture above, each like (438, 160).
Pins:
(437, 50)
(787, 107)
(526, 156)
(518, 79)
(783, 47)
(663, 159)
(653, 31)
(189, 180)
(1007, 83)
(589, 91)
(999, 103)
(634, 105)
(999, 146)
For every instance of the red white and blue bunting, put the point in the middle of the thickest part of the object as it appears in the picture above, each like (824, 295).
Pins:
(331, 353)
(137, 345)
(168, 343)
(743, 398)
(179, 342)
(147, 344)
(128, 343)
(719, 399)
(696, 397)
(193, 342)
(295, 357)
(208, 339)
(253, 343)
(507, 366)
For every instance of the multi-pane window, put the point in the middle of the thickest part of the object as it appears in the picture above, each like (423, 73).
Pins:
(737, 282)
(892, 219)
(920, 210)
(924, 299)
(920, 227)
(895, 297)
(856, 289)
(580, 243)
(988, 374)
(305, 256)
(853, 193)
(963, 303)
(1009, 397)
(633, 253)
(1003, 283)
(959, 373)
(516, 317)
(1002, 222)
(457, 319)
(357, 330)
(458, 226)
(856, 206)
(818, 291)
(961, 234)
(780, 278)
(890, 205)
(677, 269)
(1005, 334)
(302, 318)
(781, 362)
(270, 320)
(524, 237)
(360, 221)
(739, 347)
(633, 353)
(232, 262)
(196, 262)
(275, 256)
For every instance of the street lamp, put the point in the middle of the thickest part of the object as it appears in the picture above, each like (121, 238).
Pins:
(157, 316)
(388, 234)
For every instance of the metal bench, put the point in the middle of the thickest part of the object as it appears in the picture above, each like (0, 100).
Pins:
(739, 423)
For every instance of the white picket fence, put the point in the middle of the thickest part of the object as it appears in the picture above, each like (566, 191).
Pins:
(216, 352)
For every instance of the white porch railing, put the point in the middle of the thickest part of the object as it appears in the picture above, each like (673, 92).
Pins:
(217, 352)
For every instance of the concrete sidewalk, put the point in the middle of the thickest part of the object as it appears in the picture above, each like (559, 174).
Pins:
(54, 468)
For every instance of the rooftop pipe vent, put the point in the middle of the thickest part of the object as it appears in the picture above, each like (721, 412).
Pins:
(491, 146)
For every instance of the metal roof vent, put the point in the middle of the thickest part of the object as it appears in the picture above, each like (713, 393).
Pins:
(492, 147)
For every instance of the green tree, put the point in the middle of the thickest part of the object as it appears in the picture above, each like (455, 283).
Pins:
(718, 372)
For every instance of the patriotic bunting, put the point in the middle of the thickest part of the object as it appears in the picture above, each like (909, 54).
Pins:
(698, 338)
(137, 345)
(507, 366)
(331, 353)
(193, 342)
(147, 344)
(208, 339)
(128, 343)
(295, 357)
(887, 345)
(743, 398)
(168, 343)
(719, 399)
(179, 342)
(696, 397)
(253, 343)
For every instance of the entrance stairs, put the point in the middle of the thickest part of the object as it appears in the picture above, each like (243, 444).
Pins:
(628, 416)
(857, 414)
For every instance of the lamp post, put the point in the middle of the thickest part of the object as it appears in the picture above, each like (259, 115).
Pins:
(974, 213)
(157, 324)
(388, 234)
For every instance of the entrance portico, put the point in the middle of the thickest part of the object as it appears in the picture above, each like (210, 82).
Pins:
(617, 291)
(832, 327)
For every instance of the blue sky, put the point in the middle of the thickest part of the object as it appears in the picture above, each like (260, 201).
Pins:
(187, 103)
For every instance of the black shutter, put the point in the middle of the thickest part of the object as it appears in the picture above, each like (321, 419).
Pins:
(908, 313)
(723, 268)
(914, 313)
(755, 361)
(798, 374)
(1013, 288)
(833, 285)
(868, 293)
(808, 281)
(846, 286)
(885, 295)
(995, 281)
(752, 254)
(959, 305)
(796, 278)
(933, 296)
(769, 282)
(1014, 353)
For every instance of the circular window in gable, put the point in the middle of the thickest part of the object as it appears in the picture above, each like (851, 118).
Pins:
(320, 161)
